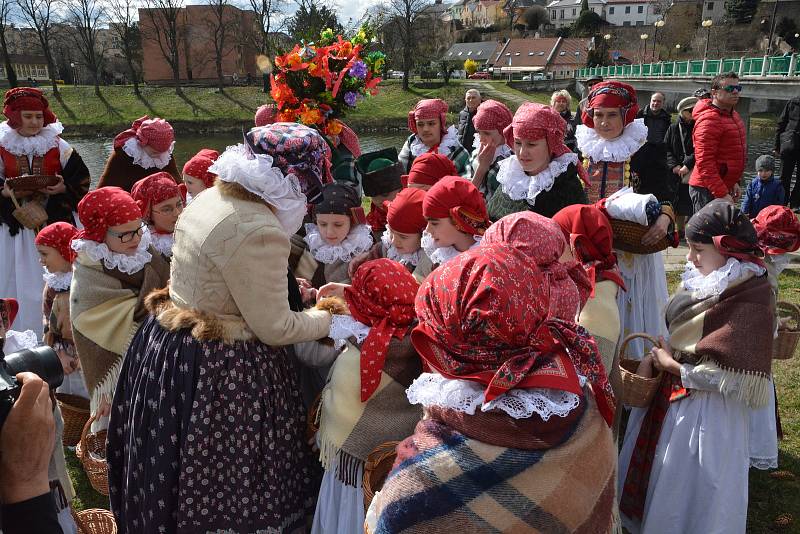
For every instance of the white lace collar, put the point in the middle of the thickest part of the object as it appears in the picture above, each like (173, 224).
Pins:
(465, 396)
(162, 242)
(114, 260)
(501, 152)
(392, 254)
(145, 160)
(16, 340)
(35, 145)
(343, 327)
(57, 281)
(441, 255)
(518, 185)
(358, 241)
(448, 143)
(713, 284)
(616, 150)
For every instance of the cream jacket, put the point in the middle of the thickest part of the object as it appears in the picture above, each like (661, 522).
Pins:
(230, 262)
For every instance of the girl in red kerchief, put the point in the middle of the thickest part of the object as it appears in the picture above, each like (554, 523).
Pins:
(428, 124)
(143, 149)
(543, 175)
(457, 219)
(490, 147)
(115, 270)
(364, 403)
(196, 175)
(161, 201)
(30, 143)
(428, 169)
(507, 414)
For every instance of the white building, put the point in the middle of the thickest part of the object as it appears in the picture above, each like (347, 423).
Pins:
(565, 12)
(632, 13)
(714, 10)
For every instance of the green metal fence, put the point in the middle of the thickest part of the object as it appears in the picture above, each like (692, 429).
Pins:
(745, 66)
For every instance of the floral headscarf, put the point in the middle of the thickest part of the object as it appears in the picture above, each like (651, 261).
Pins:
(58, 236)
(154, 189)
(103, 208)
(778, 230)
(728, 228)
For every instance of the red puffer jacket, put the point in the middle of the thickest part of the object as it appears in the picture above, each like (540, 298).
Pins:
(720, 148)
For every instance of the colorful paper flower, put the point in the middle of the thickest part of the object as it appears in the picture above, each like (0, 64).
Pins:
(359, 70)
(350, 98)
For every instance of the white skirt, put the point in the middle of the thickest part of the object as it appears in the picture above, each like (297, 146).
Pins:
(764, 435)
(641, 307)
(21, 277)
(340, 508)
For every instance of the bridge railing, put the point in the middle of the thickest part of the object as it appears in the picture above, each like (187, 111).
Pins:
(744, 66)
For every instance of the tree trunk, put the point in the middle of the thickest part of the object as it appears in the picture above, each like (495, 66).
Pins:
(129, 60)
(220, 77)
(51, 68)
(176, 75)
(10, 73)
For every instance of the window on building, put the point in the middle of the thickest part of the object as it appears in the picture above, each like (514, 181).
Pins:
(710, 6)
(562, 14)
(640, 23)
(626, 23)
(627, 10)
(553, 14)
(574, 11)
(641, 9)
(562, 53)
(611, 10)
(593, 11)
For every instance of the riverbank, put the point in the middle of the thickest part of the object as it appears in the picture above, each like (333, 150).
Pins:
(203, 110)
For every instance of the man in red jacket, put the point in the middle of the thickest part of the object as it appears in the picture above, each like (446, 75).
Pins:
(720, 144)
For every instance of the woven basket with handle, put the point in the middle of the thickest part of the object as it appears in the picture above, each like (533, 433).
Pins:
(91, 451)
(95, 521)
(628, 237)
(75, 412)
(788, 331)
(30, 213)
(32, 182)
(376, 469)
(637, 390)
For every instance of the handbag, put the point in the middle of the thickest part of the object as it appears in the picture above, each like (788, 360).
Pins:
(789, 143)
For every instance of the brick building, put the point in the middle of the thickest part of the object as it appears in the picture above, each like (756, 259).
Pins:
(197, 24)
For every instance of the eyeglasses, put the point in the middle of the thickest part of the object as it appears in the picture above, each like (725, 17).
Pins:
(170, 210)
(732, 88)
(127, 237)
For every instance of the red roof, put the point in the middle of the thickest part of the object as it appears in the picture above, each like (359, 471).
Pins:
(537, 52)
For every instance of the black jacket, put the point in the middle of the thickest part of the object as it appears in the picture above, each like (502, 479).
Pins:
(650, 174)
(34, 516)
(569, 133)
(788, 121)
(656, 122)
(466, 130)
(680, 149)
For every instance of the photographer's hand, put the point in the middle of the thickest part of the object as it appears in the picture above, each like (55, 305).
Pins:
(27, 439)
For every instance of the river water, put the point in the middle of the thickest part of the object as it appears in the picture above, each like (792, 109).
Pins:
(95, 151)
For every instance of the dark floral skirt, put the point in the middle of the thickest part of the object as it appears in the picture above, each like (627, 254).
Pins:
(208, 437)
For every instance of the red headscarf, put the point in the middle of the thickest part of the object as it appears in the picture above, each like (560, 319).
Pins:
(483, 316)
(58, 236)
(492, 115)
(590, 236)
(405, 212)
(105, 207)
(537, 121)
(381, 296)
(778, 230)
(156, 133)
(611, 95)
(429, 168)
(154, 189)
(8, 312)
(457, 198)
(542, 241)
(22, 99)
(197, 167)
(429, 108)
(349, 139)
(266, 115)
(376, 218)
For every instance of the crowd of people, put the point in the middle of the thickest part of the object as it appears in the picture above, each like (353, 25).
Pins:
(252, 329)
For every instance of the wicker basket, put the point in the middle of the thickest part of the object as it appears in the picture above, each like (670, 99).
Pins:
(75, 412)
(637, 390)
(30, 214)
(32, 182)
(628, 237)
(312, 421)
(376, 469)
(95, 521)
(91, 451)
(789, 334)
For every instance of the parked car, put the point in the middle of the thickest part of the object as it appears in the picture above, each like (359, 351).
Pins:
(480, 76)
(526, 78)
(394, 74)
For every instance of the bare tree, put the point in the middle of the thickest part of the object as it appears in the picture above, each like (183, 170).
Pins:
(269, 15)
(85, 18)
(124, 26)
(165, 27)
(513, 9)
(221, 26)
(406, 15)
(40, 15)
(6, 15)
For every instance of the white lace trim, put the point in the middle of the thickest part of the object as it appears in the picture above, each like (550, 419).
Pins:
(392, 254)
(344, 327)
(57, 281)
(448, 143)
(518, 185)
(256, 173)
(36, 145)
(616, 150)
(162, 242)
(145, 160)
(358, 241)
(433, 389)
(114, 260)
(713, 284)
(441, 255)
(17, 340)
(503, 151)
(764, 464)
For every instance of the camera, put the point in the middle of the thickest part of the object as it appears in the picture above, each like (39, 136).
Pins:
(42, 361)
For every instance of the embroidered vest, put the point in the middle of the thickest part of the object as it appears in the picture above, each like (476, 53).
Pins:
(606, 178)
(48, 164)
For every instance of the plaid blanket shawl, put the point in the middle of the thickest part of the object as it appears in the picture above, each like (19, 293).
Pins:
(449, 483)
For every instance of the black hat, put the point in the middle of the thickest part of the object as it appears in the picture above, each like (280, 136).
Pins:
(338, 199)
(380, 172)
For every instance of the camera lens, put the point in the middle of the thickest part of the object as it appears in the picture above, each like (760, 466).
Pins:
(42, 361)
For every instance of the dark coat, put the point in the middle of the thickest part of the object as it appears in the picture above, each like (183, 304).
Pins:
(650, 175)
(680, 149)
(789, 121)
(567, 190)
(569, 133)
(121, 172)
(657, 123)
(466, 130)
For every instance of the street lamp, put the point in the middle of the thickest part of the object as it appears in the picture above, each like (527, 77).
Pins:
(707, 25)
(606, 40)
(74, 78)
(658, 24)
(644, 37)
